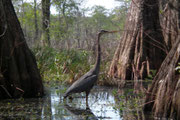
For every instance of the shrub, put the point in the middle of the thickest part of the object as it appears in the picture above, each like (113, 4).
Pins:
(62, 66)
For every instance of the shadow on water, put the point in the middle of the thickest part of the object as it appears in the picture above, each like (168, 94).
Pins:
(105, 103)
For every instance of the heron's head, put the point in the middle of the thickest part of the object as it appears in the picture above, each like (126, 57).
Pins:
(103, 31)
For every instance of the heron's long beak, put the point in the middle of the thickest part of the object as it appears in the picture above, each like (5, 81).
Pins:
(113, 31)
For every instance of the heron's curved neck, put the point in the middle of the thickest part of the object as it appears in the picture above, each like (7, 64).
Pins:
(98, 57)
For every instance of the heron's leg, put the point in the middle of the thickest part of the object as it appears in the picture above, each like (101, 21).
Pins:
(87, 93)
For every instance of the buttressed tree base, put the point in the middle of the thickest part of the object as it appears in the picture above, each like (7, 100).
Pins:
(19, 75)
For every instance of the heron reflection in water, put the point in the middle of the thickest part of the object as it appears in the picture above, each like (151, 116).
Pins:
(81, 114)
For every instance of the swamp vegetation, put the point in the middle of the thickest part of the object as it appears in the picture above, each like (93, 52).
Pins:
(46, 45)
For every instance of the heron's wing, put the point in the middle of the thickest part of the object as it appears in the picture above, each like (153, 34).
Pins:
(87, 75)
(86, 82)
(83, 84)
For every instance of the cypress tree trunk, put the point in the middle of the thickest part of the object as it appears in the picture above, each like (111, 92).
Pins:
(142, 46)
(19, 75)
(169, 21)
(163, 96)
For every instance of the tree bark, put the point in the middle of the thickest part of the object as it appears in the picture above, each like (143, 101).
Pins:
(46, 22)
(169, 21)
(163, 95)
(19, 75)
(35, 21)
(142, 46)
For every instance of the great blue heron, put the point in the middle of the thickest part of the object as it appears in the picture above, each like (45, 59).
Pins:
(86, 82)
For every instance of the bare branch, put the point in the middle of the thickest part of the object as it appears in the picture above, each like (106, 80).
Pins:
(6, 91)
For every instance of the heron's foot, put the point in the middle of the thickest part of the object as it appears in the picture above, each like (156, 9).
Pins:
(87, 107)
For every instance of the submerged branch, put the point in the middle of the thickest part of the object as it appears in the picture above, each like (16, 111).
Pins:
(6, 91)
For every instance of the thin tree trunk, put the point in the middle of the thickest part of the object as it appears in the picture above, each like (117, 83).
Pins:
(35, 22)
(142, 46)
(19, 75)
(46, 22)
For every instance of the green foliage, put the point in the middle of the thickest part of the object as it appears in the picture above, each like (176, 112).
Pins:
(61, 65)
(100, 18)
(69, 24)
(70, 28)
(25, 13)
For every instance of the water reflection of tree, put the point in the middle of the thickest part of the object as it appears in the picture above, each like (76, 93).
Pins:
(46, 112)
(21, 109)
(55, 104)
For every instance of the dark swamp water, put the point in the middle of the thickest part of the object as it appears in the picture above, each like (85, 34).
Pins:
(105, 103)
